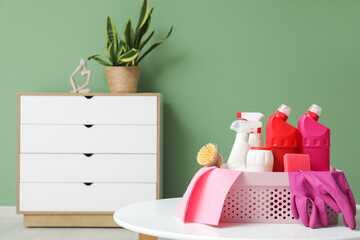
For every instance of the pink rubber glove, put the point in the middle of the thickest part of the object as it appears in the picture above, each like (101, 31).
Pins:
(301, 191)
(335, 191)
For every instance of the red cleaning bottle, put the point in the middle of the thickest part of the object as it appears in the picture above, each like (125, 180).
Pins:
(315, 139)
(281, 137)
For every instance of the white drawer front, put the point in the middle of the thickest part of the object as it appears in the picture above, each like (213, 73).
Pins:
(77, 197)
(114, 168)
(80, 110)
(80, 139)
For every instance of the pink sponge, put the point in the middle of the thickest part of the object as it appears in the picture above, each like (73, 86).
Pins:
(294, 162)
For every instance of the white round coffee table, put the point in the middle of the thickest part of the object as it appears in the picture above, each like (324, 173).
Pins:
(156, 218)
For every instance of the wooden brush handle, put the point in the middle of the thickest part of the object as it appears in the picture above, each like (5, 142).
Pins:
(219, 162)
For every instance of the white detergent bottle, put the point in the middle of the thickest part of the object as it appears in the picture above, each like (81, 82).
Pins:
(255, 138)
(237, 158)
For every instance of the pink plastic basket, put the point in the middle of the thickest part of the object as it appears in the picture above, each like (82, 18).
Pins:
(262, 198)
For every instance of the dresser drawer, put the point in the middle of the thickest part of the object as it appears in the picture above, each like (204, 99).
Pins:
(126, 168)
(35, 109)
(77, 197)
(81, 139)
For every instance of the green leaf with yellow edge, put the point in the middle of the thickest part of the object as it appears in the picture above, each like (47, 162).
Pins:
(142, 31)
(129, 56)
(119, 48)
(155, 45)
(144, 13)
(97, 59)
(124, 46)
(146, 40)
(111, 34)
(128, 32)
(124, 64)
(110, 30)
(108, 47)
(113, 56)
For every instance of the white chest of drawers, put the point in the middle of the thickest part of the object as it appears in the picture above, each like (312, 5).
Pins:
(80, 157)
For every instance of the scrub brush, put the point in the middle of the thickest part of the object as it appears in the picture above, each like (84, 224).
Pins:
(209, 156)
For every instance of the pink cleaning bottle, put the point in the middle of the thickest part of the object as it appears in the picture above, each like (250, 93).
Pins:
(315, 139)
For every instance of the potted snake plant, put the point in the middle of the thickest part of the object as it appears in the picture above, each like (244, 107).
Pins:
(125, 54)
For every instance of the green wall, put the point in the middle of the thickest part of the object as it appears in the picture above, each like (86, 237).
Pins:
(224, 56)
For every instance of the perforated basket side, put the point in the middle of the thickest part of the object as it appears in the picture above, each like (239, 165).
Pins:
(262, 204)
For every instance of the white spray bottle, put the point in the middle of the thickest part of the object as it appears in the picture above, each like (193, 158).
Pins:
(256, 137)
(237, 158)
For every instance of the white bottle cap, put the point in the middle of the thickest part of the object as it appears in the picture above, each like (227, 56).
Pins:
(315, 109)
(284, 109)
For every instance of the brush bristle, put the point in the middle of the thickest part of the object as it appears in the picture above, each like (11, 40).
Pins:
(207, 155)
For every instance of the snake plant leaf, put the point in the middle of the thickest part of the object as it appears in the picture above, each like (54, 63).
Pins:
(110, 30)
(142, 31)
(155, 45)
(144, 13)
(128, 32)
(108, 47)
(113, 56)
(124, 64)
(99, 55)
(111, 33)
(124, 46)
(146, 40)
(129, 56)
(116, 45)
(119, 48)
(97, 59)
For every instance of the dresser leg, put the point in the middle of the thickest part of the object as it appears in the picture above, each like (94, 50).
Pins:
(146, 237)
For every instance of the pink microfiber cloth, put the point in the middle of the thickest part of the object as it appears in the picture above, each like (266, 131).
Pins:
(204, 198)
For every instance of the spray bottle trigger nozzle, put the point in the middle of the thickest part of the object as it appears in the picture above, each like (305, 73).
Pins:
(244, 127)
